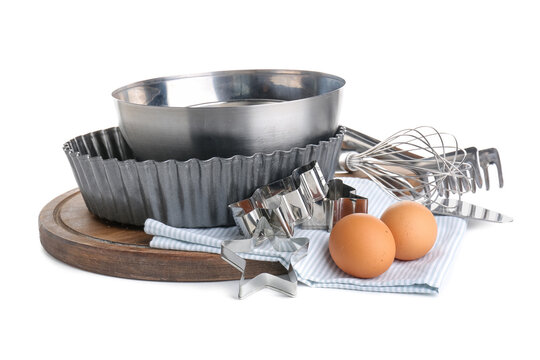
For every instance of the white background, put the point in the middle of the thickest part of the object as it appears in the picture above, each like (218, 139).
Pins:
(471, 68)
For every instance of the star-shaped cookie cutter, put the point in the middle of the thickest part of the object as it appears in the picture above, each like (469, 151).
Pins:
(286, 285)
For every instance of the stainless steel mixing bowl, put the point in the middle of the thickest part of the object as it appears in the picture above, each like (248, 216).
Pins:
(228, 113)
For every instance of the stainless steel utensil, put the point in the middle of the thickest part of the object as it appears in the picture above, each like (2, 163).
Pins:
(298, 247)
(228, 113)
(304, 197)
(420, 163)
(476, 159)
(462, 209)
(408, 164)
(490, 157)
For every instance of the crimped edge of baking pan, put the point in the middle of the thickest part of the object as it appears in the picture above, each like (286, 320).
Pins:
(191, 193)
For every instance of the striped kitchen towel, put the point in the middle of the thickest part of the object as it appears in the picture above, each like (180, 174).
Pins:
(317, 269)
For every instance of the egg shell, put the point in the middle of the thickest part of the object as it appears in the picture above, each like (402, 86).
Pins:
(362, 246)
(414, 229)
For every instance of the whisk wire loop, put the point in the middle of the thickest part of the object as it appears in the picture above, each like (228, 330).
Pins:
(421, 164)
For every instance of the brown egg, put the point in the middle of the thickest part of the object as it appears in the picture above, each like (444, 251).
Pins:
(362, 246)
(414, 229)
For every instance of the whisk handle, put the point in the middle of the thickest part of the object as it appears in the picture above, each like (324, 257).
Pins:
(342, 160)
(355, 140)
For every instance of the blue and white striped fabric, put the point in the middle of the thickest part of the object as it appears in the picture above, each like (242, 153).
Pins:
(317, 269)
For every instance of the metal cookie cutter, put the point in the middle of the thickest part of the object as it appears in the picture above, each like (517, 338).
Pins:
(284, 203)
(286, 285)
(272, 213)
(340, 201)
(302, 198)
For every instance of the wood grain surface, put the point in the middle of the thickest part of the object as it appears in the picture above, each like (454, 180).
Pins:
(71, 234)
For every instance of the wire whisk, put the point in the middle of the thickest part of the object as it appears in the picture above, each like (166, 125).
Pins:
(420, 164)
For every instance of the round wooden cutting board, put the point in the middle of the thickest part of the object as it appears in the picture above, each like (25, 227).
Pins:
(70, 233)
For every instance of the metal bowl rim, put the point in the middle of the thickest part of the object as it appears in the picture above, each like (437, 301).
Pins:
(224, 72)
